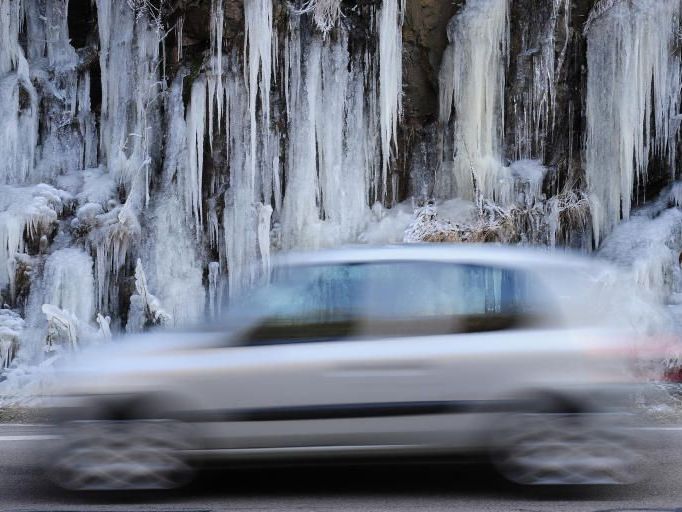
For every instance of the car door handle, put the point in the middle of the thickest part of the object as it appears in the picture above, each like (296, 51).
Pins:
(381, 369)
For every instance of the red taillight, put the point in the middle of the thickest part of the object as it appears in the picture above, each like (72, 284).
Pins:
(673, 375)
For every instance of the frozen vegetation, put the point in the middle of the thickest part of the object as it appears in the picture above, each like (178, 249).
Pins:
(144, 181)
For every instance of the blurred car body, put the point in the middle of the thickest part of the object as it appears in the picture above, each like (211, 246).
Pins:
(389, 352)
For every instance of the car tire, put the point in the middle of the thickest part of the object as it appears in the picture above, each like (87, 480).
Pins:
(109, 455)
(568, 448)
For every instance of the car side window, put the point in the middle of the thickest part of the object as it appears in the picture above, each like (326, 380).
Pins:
(389, 299)
(422, 298)
(309, 304)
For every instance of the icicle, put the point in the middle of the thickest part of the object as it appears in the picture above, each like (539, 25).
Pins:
(217, 29)
(179, 27)
(215, 298)
(258, 56)
(292, 64)
(264, 214)
(192, 180)
(240, 219)
(216, 93)
(472, 80)
(630, 53)
(300, 213)
(330, 136)
(390, 80)
(87, 123)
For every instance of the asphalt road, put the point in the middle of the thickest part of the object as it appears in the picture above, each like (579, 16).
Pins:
(413, 488)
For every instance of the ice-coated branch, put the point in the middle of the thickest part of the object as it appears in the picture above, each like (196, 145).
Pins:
(62, 327)
(145, 308)
(325, 13)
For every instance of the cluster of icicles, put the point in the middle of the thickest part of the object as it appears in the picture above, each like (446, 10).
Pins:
(125, 208)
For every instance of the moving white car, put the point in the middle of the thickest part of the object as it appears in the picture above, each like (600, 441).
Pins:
(369, 353)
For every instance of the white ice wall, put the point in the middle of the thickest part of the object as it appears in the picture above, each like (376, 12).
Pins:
(633, 100)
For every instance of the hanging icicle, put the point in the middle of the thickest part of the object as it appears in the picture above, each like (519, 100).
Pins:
(390, 23)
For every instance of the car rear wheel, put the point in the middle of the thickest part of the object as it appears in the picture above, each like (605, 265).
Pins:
(120, 455)
(568, 449)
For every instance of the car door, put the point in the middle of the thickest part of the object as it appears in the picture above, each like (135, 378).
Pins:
(358, 356)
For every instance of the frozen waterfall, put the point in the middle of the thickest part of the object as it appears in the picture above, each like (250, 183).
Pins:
(472, 82)
(633, 102)
(154, 159)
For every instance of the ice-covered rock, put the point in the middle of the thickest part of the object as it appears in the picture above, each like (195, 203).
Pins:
(649, 246)
(428, 227)
(11, 327)
(26, 214)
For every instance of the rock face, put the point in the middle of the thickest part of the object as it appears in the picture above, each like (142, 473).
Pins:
(424, 40)
(546, 42)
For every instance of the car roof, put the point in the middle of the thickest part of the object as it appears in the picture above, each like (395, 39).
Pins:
(508, 256)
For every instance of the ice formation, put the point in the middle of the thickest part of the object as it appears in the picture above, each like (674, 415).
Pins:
(649, 245)
(11, 327)
(428, 227)
(325, 13)
(129, 47)
(69, 283)
(26, 214)
(145, 308)
(472, 84)
(63, 328)
(390, 21)
(631, 55)
(175, 271)
(648, 249)
(191, 177)
(258, 47)
(331, 165)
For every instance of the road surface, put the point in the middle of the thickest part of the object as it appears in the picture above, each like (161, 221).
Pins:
(409, 488)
